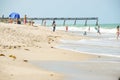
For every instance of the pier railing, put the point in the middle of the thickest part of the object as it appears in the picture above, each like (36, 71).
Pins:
(65, 19)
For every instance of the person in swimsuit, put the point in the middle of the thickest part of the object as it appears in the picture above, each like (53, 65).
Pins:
(118, 32)
(54, 26)
(98, 30)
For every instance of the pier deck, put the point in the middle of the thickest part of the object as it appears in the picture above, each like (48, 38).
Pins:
(64, 19)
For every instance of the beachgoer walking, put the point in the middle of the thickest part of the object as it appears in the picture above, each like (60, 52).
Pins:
(85, 33)
(44, 22)
(54, 26)
(25, 19)
(98, 30)
(66, 28)
(89, 28)
(118, 32)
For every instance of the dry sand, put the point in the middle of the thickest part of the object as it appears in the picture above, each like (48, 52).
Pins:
(20, 44)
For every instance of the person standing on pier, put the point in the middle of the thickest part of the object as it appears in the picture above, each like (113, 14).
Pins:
(54, 26)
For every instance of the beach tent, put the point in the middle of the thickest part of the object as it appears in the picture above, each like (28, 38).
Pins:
(14, 15)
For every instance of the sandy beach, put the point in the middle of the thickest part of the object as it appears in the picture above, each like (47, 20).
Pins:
(22, 44)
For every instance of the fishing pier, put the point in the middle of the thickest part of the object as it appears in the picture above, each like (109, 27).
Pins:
(86, 19)
(65, 19)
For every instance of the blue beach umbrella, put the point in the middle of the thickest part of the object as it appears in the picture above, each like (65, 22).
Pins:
(14, 15)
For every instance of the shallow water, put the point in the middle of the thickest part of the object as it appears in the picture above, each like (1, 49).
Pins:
(98, 69)
(92, 70)
(104, 44)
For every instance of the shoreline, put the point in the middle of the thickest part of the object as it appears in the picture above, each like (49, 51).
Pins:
(107, 55)
(21, 44)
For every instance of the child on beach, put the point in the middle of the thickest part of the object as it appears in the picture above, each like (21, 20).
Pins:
(54, 25)
(118, 32)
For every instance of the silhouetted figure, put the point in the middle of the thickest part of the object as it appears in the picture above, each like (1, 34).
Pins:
(54, 26)
(18, 22)
(98, 30)
(3, 16)
(44, 22)
(85, 33)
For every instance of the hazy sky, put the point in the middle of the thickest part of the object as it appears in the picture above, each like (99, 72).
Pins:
(108, 11)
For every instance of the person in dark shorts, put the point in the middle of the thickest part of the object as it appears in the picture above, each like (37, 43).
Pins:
(54, 26)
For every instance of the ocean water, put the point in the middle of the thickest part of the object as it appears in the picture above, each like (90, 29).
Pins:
(99, 44)
(104, 44)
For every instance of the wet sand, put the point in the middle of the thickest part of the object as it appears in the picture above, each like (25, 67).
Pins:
(83, 70)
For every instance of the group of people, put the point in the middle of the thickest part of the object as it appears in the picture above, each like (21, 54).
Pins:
(98, 29)
(18, 21)
(54, 26)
